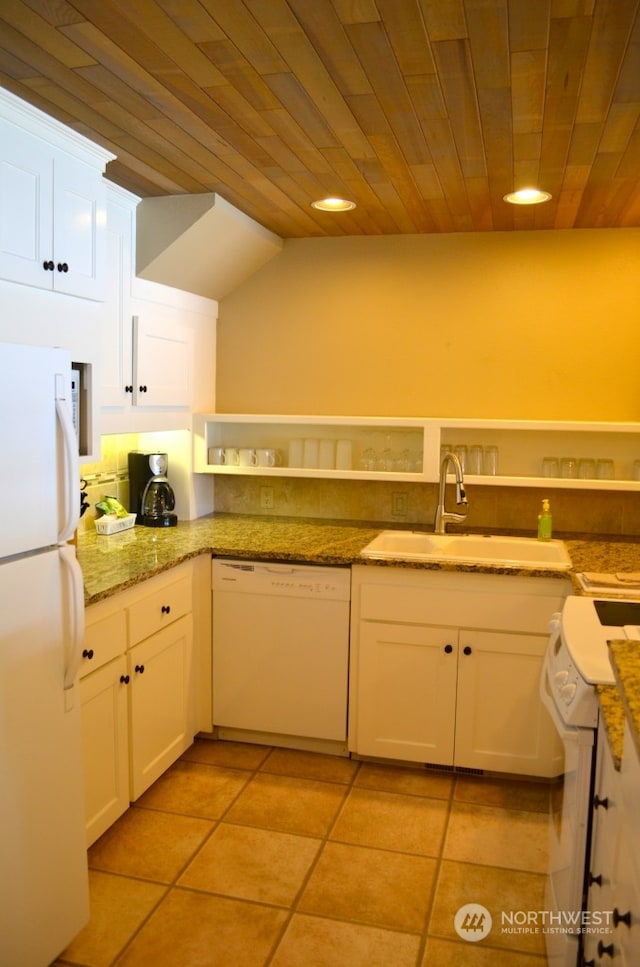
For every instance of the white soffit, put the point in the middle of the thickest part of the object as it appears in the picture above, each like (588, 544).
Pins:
(199, 243)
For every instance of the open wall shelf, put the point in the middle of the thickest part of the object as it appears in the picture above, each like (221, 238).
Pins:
(605, 455)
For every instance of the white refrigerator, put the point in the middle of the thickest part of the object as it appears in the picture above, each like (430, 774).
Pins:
(44, 899)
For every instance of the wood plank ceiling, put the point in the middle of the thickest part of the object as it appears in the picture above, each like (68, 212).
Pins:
(425, 112)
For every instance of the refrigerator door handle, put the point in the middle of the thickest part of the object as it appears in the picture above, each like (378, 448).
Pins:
(72, 574)
(71, 465)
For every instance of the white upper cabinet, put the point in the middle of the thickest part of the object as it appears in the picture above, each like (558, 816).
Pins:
(52, 204)
(162, 361)
(157, 343)
(115, 334)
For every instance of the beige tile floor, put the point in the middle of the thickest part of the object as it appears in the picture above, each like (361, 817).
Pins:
(243, 856)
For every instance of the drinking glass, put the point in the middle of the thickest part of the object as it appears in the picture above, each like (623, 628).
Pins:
(476, 462)
(550, 467)
(368, 459)
(587, 468)
(568, 467)
(490, 460)
(461, 453)
(604, 470)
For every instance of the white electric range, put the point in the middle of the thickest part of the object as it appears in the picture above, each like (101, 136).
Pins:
(576, 661)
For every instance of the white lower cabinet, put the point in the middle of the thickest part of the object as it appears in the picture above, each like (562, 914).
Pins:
(403, 670)
(159, 671)
(137, 692)
(105, 745)
(613, 882)
(424, 689)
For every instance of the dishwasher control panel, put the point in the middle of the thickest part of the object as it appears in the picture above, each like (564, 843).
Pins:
(290, 580)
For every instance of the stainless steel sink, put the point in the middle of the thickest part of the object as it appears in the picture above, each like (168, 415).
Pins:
(469, 549)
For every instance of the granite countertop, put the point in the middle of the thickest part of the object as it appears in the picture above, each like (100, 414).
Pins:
(613, 717)
(625, 660)
(111, 564)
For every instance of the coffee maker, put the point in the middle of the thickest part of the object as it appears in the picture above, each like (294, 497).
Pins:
(151, 496)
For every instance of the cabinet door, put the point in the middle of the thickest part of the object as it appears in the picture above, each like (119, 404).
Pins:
(606, 819)
(116, 338)
(501, 723)
(159, 718)
(79, 222)
(406, 692)
(26, 206)
(162, 360)
(105, 746)
(626, 894)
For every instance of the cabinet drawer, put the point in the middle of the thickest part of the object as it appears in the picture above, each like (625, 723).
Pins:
(104, 639)
(159, 609)
(486, 607)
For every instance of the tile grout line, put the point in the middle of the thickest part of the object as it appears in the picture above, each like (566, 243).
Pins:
(174, 883)
(293, 906)
(434, 886)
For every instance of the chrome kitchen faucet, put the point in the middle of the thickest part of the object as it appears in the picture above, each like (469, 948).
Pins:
(442, 515)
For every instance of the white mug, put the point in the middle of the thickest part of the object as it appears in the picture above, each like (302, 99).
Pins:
(247, 457)
(267, 457)
(231, 456)
(216, 455)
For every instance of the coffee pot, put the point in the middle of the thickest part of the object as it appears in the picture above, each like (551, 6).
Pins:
(151, 495)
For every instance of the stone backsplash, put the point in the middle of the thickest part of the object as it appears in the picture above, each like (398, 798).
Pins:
(597, 512)
(575, 512)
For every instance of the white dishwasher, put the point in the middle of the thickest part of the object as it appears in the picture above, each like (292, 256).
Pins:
(280, 650)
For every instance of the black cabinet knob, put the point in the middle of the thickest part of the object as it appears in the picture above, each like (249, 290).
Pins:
(467, 649)
(602, 949)
(621, 917)
(128, 389)
(47, 265)
(142, 389)
(597, 802)
(595, 879)
(87, 653)
(166, 609)
(140, 669)
(124, 679)
(448, 649)
(63, 267)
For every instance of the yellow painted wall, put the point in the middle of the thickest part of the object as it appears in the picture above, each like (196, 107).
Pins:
(526, 325)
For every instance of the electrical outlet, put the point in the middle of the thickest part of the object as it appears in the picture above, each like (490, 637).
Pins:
(399, 505)
(266, 498)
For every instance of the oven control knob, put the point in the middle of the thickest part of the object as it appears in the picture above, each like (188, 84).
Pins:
(561, 678)
(567, 692)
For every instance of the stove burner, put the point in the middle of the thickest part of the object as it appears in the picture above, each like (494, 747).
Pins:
(618, 613)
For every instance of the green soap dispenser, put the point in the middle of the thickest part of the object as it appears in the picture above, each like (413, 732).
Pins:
(545, 522)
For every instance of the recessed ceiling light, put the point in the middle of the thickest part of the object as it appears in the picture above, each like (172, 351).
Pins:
(333, 205)
(527, 196)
